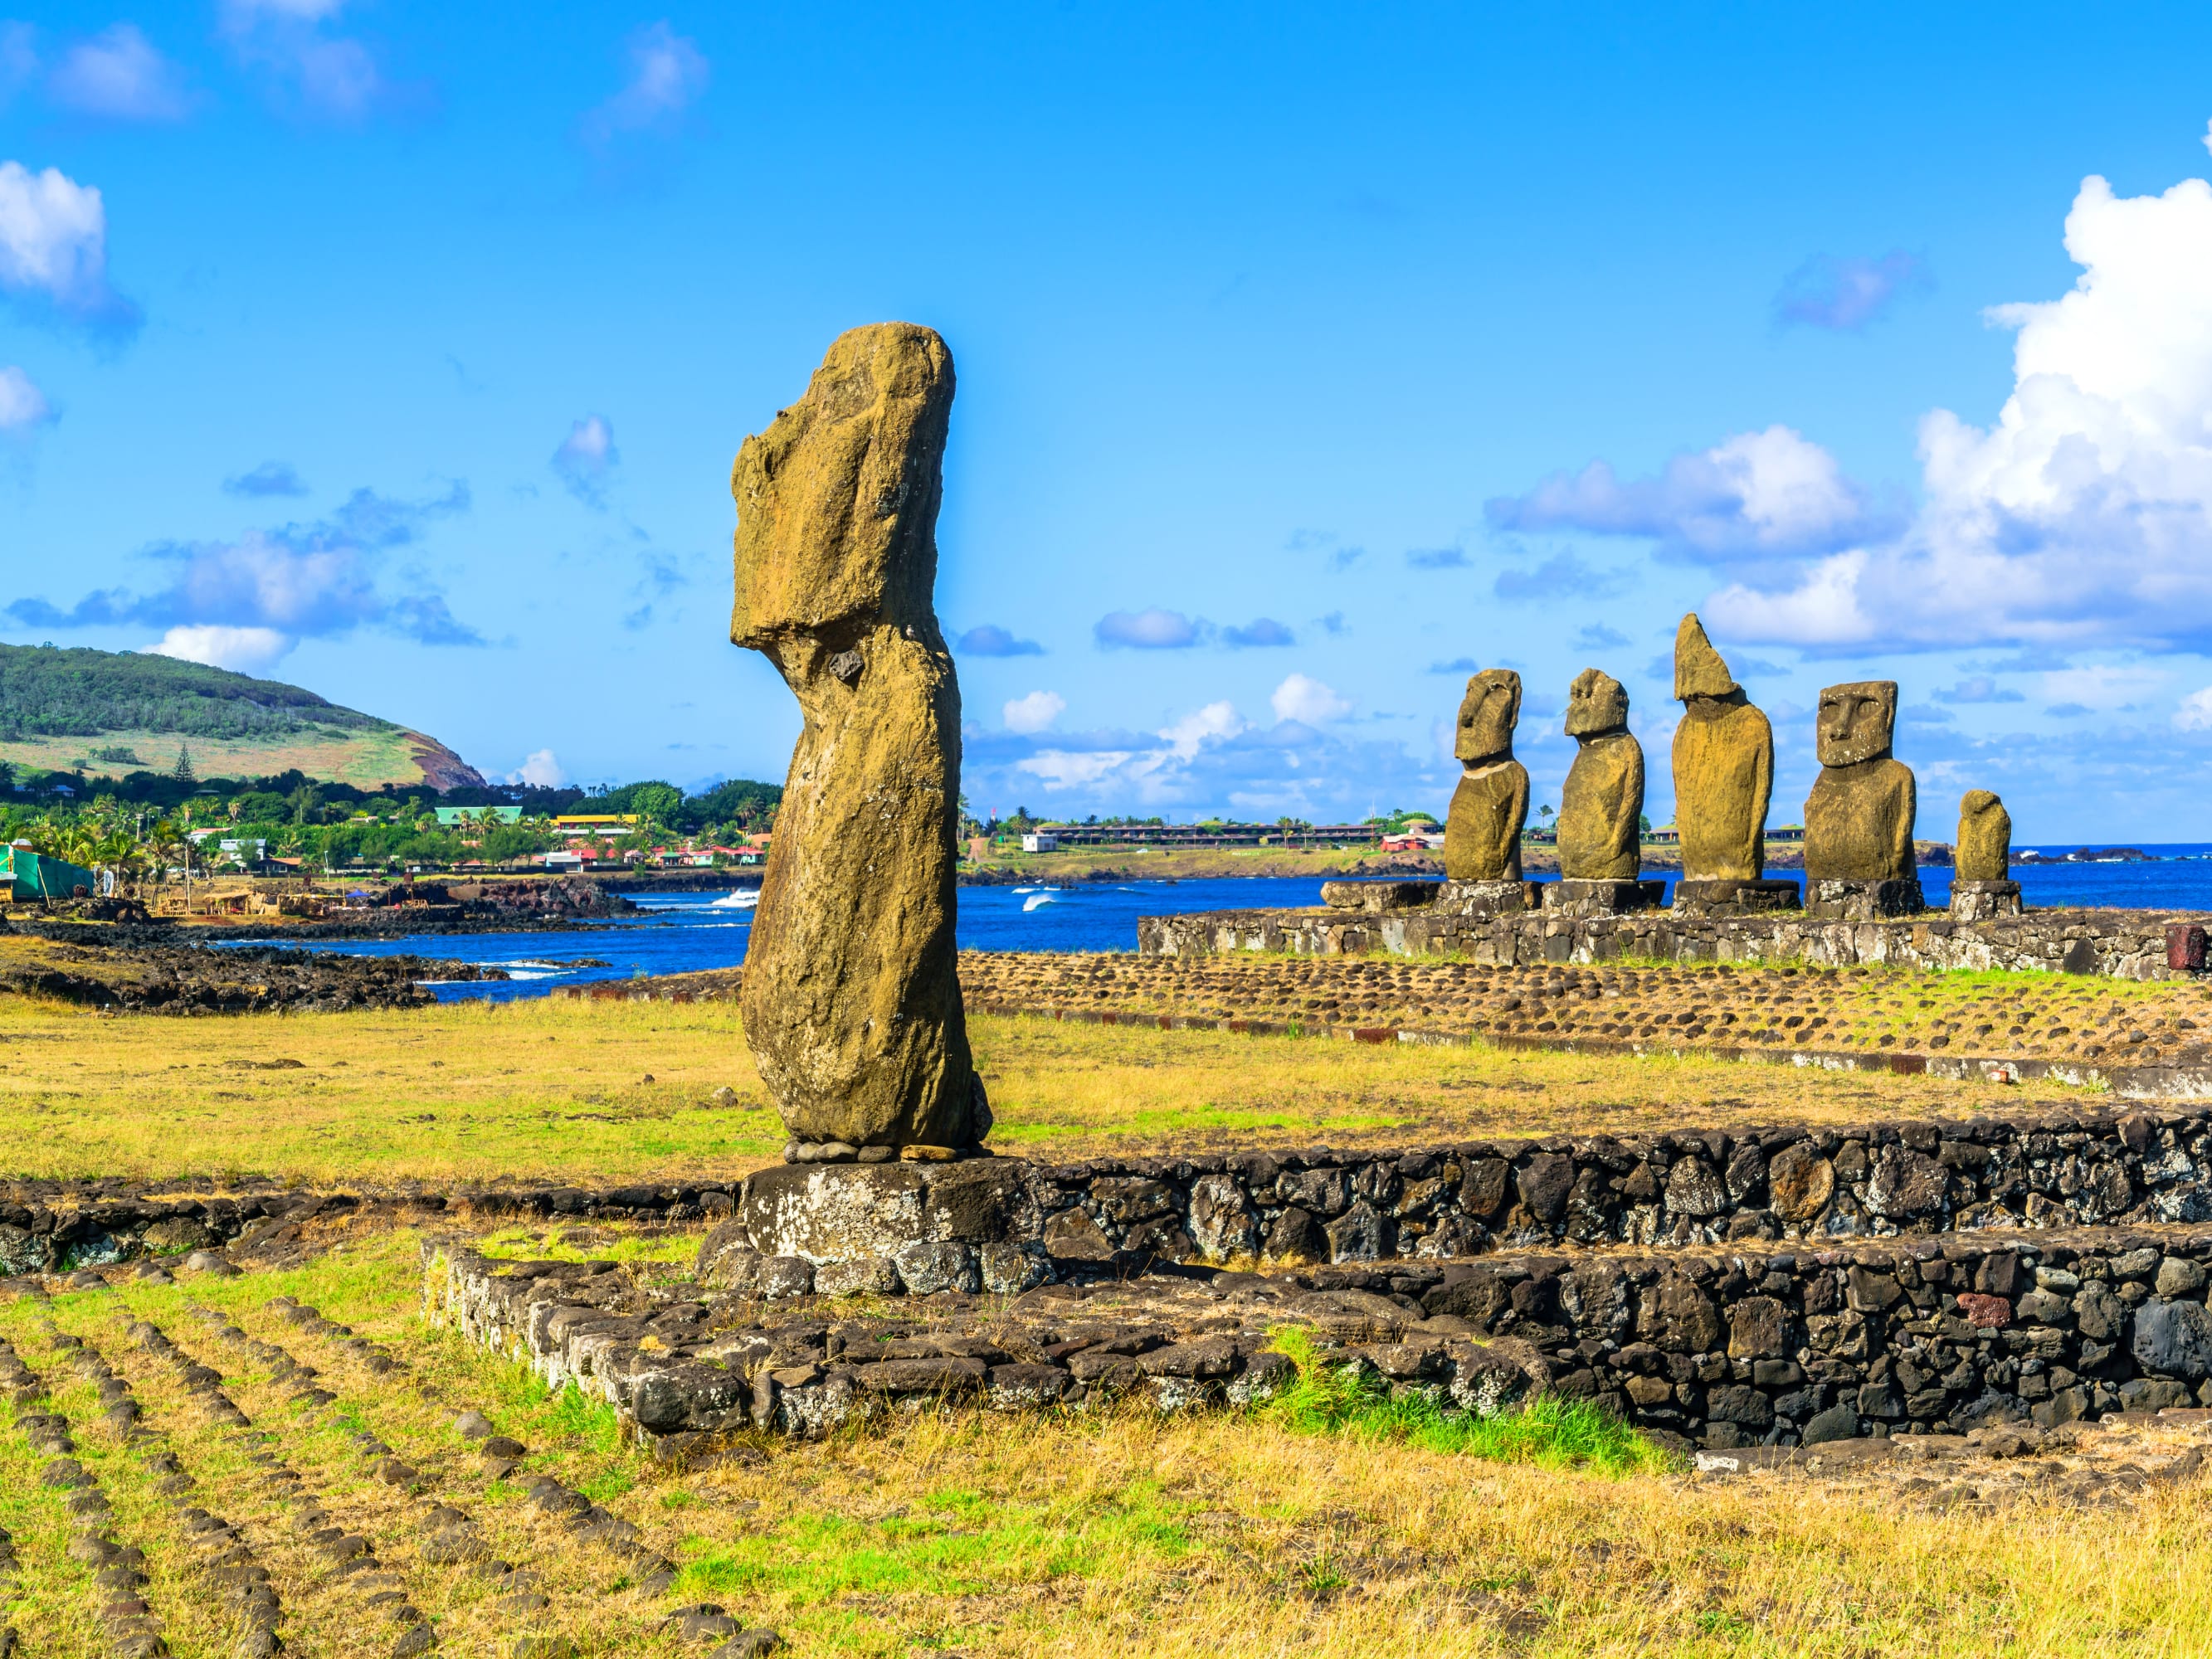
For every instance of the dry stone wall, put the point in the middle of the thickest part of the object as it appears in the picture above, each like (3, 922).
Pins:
(2123, 943)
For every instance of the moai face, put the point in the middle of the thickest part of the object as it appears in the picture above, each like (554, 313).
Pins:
(1858, 722)
(1596, 703)
(1487, 716)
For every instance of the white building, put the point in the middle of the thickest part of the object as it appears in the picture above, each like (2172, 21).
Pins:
(1038, 841)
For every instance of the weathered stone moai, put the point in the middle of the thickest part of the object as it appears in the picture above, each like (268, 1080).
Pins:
(1601, 806)
(1723, 764)
(1482, 832)
(1981, 875)
(852, 1005)
(1858, 819)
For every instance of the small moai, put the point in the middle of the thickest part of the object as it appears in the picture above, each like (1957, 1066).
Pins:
(1723, 764)
(852, 1003)
(1482, 832)
(1981, 876)
(1858, 820)
(1602, 807)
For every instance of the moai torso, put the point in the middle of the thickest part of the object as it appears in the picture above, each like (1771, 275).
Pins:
(1724, 779)
(1858, 819)
(1482, 833)
(1984, 851)
(1601, 805)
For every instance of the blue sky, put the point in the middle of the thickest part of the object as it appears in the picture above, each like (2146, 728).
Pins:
(1306, 359)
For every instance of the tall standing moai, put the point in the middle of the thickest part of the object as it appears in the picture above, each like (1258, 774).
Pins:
(1858, 819)
(1982, 887)
(1601, 806)
(851, 1003)
(1723, 764)
(1482, 832)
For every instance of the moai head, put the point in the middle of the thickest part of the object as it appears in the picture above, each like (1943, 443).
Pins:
(1699, 671)
(1487, 716)
(1596, 703)
(1858, 722)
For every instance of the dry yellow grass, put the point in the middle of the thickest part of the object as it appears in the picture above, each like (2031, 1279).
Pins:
(1221, 1536)
(611, 1090)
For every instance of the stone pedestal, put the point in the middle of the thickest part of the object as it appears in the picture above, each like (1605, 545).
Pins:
(1602, 898)
(1485, 898)
(830, 1212)
(1731, 897)
(1984, 901)
(1863, 900)
(1376, 897)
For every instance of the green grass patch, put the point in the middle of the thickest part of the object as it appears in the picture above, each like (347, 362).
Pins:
(1330, 1397)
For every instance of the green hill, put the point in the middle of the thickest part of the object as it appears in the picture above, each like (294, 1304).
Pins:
(114, 712)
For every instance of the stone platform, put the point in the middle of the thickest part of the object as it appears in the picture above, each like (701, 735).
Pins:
(2122, 943)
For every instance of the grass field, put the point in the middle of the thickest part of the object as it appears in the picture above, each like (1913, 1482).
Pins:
(1264, 1534)
(608, 1089)
(366, 759)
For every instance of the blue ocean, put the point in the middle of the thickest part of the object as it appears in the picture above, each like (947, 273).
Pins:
(683, 932)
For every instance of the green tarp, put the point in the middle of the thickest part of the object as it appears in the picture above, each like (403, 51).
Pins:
(34, 876)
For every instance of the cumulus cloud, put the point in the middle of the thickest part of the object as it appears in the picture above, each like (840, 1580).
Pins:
(1847, 294)
(1263, 631)
(667, 75)
(1562, 575)
(586, 458)
(1757, 495)
(2103, 686)
(23, 407)
(1210, 758)
(1436, 558)
(53, 247)
(246, 650)
(1147, 630)
(989, 639)
(117, 74)
(321, 579)
(1035, 712)
(2195, 714)
(2083, 514)
(1302, 698)
(308, 67)
(541, 769)
(1978, 688)
(269, 478)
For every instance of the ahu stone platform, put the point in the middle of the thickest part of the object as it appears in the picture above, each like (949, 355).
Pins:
(2123, 943)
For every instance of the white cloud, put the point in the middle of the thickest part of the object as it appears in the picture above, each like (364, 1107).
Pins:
(2082, 514)
(1058, 769)
(1212, 723)
(668, 73)
(1302, 698)
(586, 458)
(1755, 495)
(332, 75)
(2195, 714)
(540, 770)
(53, 240)
(246, 650)
(1035, 712)
(118, 74)
(2101, 686)
(22, 405)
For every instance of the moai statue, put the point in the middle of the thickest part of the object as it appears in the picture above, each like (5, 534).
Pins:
(1723, 764)
(1981, 876)
(1858, 819)
(851, 1003)
(1601, 805)
(1482, 832)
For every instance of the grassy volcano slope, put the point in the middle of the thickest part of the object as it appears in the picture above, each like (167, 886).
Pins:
(1121, 1533)
(115, 713)
(607, 1090)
